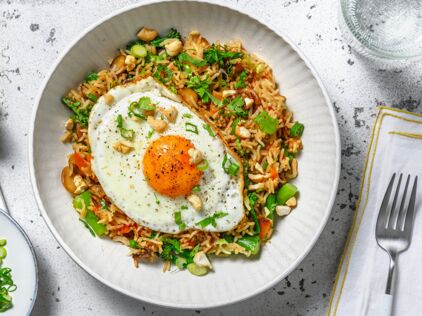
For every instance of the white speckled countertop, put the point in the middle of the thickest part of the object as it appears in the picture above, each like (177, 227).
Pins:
(33, 33)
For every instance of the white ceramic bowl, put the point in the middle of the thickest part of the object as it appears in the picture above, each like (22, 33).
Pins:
(21, 259)
(234, 279)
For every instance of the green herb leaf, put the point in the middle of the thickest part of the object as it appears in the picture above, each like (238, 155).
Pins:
(217, 54)
(201, 87)
(171, 249)
(211, 220)
(163, 73)
(297, 129)
(250, 243)
(92, 97)
(196, 189)
(178, 220)
(156, 199)
(234, 124)
(236, 107)
(241, 83)
(80, 116)
(103, 204)
(266, 123)
(252, 197)
(133, 244)
(172, 33)
(271, 204)
(150, 133)
(209, 130)
(184, 57)
(91, 76)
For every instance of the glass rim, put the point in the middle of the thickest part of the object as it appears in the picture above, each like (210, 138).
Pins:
(367, 47)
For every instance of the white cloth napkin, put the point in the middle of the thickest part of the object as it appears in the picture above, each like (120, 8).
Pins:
(395, 146)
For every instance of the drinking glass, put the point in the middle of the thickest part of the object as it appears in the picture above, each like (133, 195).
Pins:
(389, 31)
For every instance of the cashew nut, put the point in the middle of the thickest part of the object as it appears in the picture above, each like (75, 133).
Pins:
(173, 46)
(67, 137)
(291, 202)
(256, 186)
(109, 99)
(282, 210)
(195, 156)
(228, 93)
(170, 113)
(80, 184)
(146, 34)
(157, 125)
(195, 201)
(69, 124)
(123, 146)
(248, 102)
(293, 171)
(242, 132)
(201, 260)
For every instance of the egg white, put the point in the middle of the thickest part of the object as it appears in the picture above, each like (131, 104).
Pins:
(121, 175)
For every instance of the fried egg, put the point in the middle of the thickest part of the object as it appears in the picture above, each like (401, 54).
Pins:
(154, 182)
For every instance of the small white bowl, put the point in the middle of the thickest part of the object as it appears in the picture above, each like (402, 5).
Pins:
(234, 279)
(21, 259)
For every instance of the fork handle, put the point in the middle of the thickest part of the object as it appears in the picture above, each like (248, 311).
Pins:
(387, 305)
(391, 280)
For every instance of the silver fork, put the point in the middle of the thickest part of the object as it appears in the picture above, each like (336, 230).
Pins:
(394, 226)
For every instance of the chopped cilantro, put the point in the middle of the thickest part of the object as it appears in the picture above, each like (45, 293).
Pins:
(163, 73)
(91, 76)
(241, 83)
(211, 220)
(184, 57)
(266, 123)
(236, 107)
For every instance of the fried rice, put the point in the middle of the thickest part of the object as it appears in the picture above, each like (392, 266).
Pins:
(269, 160)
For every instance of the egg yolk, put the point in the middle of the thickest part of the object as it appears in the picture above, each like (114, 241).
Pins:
(167, 167)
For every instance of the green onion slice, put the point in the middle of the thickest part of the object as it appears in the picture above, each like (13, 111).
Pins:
(211, 220)
(189, 127)
(163, 73)
(209, 130)
(203, 165)
(286, 192)
(197, 270)
(133, 244)
(138, 51)
(297, 129)
(178, 220)
(229, 166)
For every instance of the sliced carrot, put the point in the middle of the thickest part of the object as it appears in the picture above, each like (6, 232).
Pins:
(273, 172)
(124, 229)
(79, 161)
(265, 228)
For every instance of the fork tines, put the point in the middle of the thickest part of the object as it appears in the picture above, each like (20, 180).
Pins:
(399, 218)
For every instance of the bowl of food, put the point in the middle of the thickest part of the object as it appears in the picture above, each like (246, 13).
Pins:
(181, 163)
(18, 268)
